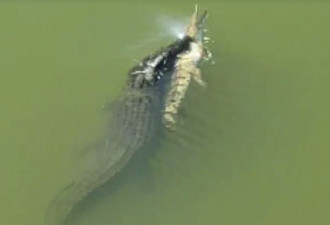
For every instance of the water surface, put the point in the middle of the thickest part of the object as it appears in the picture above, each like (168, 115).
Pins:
(252, 148)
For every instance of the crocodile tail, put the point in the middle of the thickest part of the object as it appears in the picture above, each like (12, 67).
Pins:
(133, 125)
(72, 194)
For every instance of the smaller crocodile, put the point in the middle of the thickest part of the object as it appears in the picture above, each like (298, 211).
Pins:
(186, 67)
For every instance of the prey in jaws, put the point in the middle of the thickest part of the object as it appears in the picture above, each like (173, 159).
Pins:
(186, 67)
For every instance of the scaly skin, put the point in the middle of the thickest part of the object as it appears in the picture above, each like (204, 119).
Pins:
(186, 67)
(133, 128)
(136, 114)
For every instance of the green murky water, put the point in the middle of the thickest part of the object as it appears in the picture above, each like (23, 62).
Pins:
(252, 148)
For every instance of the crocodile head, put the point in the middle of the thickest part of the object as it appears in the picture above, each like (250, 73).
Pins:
(195, 27)
(159, 66)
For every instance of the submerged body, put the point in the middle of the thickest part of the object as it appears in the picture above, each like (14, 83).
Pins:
(135, 117)
(137, 114)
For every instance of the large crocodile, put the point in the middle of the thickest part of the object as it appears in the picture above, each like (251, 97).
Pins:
(135, 116)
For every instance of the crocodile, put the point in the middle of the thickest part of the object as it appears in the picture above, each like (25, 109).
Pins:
(186, 67)
(136, 115)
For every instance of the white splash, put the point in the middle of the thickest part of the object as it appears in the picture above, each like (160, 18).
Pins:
(163, 29)
(172, 27)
